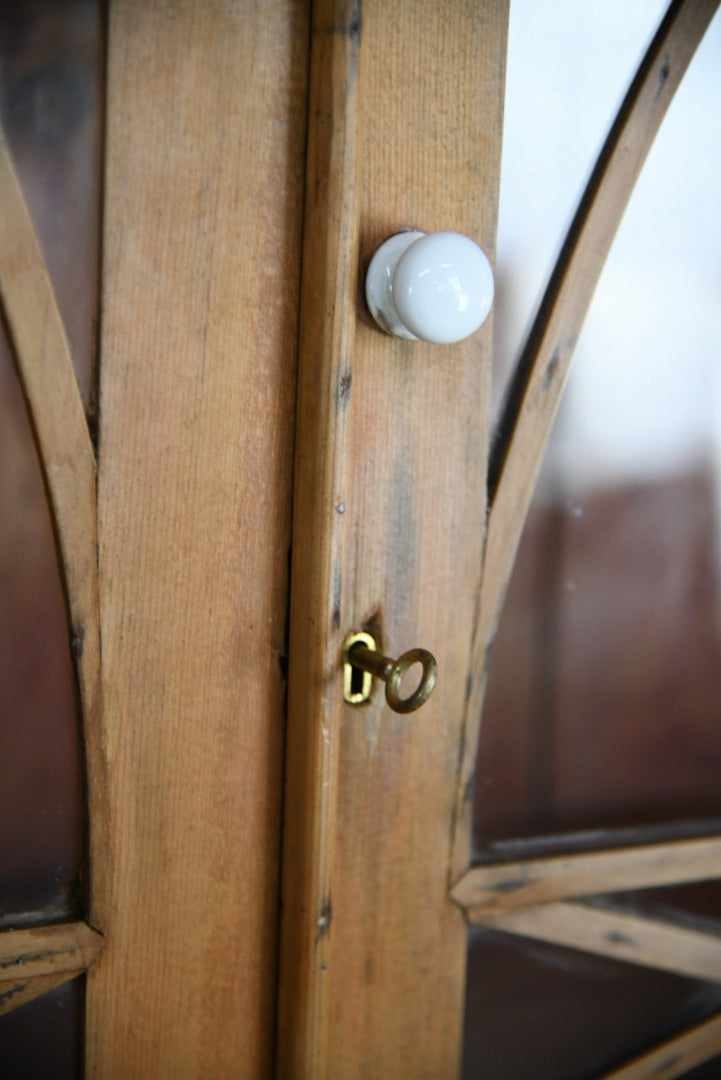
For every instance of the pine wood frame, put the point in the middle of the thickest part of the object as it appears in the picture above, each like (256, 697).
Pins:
(365, 875)
(342, 580)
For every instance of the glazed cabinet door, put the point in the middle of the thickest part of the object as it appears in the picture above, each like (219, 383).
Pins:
(169, 469)
(209, 396)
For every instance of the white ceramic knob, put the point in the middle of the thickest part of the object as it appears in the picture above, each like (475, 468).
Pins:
(429, 286)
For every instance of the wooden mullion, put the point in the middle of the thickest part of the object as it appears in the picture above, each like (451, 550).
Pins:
(511, 885)
(58, 948)
(632, 938)
(675, 1056)
(19, 992)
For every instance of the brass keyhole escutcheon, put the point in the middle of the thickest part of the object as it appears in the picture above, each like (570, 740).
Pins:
(362, 661)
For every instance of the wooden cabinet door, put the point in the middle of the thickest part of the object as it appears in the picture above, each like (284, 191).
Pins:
(269, 869)
(234, 156)
(174, 531)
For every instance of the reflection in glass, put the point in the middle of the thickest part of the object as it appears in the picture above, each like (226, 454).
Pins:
(40, 798)
(602, 706)
(603, 714)
(50, 107)
(568, 68)
(43, 1039)
(537, 1010)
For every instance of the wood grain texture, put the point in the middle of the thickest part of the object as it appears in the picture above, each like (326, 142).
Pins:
(330, 258)
(676, 1056)
(508, 886)
(379, 975)
(68, 463)
(47, 950)
(638, 940)
(17, 992)
(205, 133)
(416, 516)
(541, 373)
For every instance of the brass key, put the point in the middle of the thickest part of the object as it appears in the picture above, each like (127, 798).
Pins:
(362, 661)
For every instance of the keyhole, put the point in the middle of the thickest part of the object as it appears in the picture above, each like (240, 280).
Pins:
(357, 683)
(356, 680)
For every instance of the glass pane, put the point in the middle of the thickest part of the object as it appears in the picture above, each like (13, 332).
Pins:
(551, 1013)
(696, 905)
(601, 724)
(602, 706)
(43, 1039)
(51, 111)
(51, 74)
(710, 1070)
(568, 67)
(40, 803)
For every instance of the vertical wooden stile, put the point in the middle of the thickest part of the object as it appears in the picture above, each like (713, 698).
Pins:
(202, 224)
(391, 446)
(325, 374)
